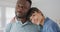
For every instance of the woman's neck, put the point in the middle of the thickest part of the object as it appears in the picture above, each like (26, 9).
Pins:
(42, 22)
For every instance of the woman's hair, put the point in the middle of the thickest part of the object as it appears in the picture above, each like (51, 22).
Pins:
(33, 10)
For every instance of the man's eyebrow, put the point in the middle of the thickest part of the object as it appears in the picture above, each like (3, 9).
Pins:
(20, 4)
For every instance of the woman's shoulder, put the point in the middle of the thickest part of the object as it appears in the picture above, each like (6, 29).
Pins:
(50, 22)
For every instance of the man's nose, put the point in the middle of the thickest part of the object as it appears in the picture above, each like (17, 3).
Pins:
(20, 9)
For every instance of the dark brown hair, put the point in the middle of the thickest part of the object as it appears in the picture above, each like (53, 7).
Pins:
(33, 10)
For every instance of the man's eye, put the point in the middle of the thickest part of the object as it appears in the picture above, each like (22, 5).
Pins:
(18, 6)
(22, 7)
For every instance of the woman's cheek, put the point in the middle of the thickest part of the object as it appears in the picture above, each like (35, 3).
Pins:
(35, 20)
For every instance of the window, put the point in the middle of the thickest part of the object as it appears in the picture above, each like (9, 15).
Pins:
(10, 13)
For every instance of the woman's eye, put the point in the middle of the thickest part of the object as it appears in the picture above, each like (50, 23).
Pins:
(33, 15)
(31, 19)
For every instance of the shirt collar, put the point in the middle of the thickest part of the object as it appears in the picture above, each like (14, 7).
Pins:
(46, 19)
(27, 22)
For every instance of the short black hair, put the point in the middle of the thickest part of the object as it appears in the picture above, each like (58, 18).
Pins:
(30, 2)
(26, 0)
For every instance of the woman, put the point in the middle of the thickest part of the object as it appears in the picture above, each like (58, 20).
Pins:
(37, 17)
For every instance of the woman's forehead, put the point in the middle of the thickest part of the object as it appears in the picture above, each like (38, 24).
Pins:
(36, 12)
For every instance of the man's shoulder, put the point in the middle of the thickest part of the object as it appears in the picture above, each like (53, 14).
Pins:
(11, 22)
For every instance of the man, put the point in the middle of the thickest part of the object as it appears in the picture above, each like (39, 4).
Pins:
(21, 24)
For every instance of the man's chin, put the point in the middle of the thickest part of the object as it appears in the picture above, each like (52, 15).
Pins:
(20, 16)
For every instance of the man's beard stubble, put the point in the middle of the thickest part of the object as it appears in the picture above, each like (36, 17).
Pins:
(19, 16)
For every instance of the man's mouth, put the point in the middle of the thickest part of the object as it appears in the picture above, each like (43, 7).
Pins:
(19, 12)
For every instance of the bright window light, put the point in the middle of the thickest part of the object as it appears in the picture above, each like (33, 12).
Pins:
(10, 13)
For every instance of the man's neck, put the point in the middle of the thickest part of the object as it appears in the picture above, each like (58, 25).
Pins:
(23, 20)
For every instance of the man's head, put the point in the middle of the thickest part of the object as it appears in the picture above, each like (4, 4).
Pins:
(22, 7)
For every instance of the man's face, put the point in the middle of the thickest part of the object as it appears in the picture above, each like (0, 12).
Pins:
(22, 8)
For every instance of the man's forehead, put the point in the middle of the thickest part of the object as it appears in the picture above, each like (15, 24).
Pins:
(21, 2)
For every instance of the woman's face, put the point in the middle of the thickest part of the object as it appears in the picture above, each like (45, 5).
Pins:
(36, 18)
